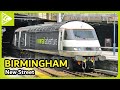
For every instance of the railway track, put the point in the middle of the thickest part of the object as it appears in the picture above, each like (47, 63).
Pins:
(106, 72)
(46, 72)
(53, 72)
(66, 73)
(96, 73)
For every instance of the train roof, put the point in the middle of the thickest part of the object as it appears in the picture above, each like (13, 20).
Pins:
(41, 27)
(55, 26)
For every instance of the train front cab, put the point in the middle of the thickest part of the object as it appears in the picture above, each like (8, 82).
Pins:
(81, 45)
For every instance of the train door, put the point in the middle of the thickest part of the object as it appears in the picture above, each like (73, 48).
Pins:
(60, 41)
(20, 39)
(23, 40)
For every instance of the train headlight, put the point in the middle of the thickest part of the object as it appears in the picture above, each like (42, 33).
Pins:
(100, 49)
(76, 49)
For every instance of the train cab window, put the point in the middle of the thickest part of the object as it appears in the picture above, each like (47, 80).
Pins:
(79, 34)
(83, 33)
(68, 35)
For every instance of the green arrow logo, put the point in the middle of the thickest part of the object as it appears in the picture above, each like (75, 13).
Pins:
(5, 18)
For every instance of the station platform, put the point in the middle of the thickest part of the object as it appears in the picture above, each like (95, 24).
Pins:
(111, 62)
(109, 55)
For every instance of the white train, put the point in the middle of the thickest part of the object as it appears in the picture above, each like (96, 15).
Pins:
(75, 40)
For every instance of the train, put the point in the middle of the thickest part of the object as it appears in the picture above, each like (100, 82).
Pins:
(73, 40)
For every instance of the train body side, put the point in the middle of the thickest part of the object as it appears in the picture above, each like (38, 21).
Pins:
(37, 38)
(50, 39)
(75, 40)
(38, 41)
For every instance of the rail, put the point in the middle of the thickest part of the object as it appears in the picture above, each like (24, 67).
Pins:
(106, 72)
(96, 73)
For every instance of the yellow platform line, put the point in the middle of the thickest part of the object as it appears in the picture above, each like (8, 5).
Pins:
(41, 75)
(38, 74)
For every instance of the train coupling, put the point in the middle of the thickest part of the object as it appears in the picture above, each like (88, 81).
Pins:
(85, 62)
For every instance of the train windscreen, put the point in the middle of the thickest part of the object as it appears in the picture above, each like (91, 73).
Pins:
(79, 34)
